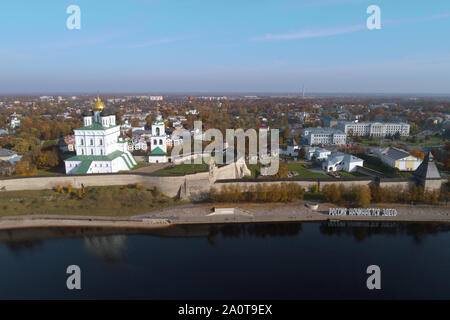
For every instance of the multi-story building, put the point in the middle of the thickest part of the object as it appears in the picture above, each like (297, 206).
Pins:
(316, 136)
(397, 158)
(329, 122)
(375, 129)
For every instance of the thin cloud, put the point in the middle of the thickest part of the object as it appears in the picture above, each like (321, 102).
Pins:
(419, 19)
(84, 41)
(14, 55)
(327, 32)
(153, 43)
(306, 34)
(319, 3)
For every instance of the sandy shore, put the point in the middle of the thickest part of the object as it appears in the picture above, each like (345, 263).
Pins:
(7, 223)
(201, 213)
(270, 212)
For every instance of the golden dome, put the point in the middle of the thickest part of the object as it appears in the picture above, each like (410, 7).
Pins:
(99, 105)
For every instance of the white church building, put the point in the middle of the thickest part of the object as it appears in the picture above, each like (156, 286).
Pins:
(158, 142)
(342, 162)
(98, 145)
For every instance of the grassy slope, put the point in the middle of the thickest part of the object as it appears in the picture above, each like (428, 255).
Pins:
(305, 173)
(97, 201)
(183, 169)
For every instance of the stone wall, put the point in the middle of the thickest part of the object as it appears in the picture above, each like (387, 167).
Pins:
(244, 185)
(192, 186)
(398, 183)
(347, 183)
(167, 185)
(306, 184)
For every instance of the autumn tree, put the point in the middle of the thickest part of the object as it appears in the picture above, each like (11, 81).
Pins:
(362, 196)
(331, 193)
(418, 154)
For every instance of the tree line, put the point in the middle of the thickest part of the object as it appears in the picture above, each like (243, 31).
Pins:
(361, 196)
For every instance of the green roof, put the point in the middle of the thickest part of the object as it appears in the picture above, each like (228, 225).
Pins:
(84, 166)
(108, 157)
(157, 122)
(95, 126)
(157, 152)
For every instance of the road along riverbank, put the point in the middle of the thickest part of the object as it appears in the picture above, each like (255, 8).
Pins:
(226, 213)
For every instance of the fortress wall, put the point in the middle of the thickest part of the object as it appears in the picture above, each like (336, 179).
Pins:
(193, 187)
(347, 183)
(197, 185)
(41, 183)
(305, 184)
(245, 185)
(226, 172)
(398, 184)
(433, 184)
(170, 186)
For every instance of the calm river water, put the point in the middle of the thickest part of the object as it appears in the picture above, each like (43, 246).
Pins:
(249, 261)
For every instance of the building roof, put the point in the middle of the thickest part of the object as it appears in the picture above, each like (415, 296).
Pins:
(427, 169)
(394, 153)
(337, 157)
(139, 132)
(157, 152)
(99, 105)
(6, 152)
(84, 166)
(320, 130)
(322, 150)
(106, 113)
(95, 126)
(374, 122)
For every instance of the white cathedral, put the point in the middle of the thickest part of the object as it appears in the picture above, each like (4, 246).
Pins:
(98, 145)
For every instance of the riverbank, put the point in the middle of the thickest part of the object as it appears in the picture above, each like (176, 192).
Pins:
(243, 213)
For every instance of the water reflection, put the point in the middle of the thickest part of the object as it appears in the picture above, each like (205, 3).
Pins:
(361, 231)
(107, 248)
(110, 244)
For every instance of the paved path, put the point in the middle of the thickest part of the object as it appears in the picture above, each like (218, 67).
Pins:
(247, 212)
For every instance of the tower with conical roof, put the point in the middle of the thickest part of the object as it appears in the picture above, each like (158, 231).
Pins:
(428, 175)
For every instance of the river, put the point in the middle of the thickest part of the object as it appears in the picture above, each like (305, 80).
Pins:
(234, 261)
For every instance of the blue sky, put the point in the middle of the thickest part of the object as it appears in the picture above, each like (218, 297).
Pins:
(225, 46)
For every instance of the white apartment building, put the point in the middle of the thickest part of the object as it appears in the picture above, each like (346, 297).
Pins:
(315, 136)
(375, 129)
